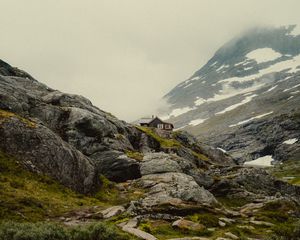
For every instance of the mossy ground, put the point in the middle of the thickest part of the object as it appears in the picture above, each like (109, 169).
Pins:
(288, 171)
(26, 196)
(164, 142)
(5, 115)
(134, 155)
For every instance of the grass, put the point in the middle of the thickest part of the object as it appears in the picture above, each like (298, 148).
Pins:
(134, 155)
(233, 202)
(26, 196)
(51, 231)
(201, 156)
(164, 142)
(207, 219)
(288, 171)
(164, 230)
(5, 115)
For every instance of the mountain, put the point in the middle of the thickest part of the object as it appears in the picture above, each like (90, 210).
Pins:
(245, 99)
(72, 171)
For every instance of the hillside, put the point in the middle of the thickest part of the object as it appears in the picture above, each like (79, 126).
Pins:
(72, 171)
(245, 99)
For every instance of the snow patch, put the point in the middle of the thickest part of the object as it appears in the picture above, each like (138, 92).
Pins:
(197, 121)
(221, 67)
(295, 92)
(296, 31)
(288, 89)
(224, 151)
(188, 85)
(247, 68)
(200, 101)
(291, 141)
(290, 97)
(262, 55)
(234, 106)
(291, 64)
(178, 111)
(265, 161)
(272, 88)
(250, 119)
(195, 78)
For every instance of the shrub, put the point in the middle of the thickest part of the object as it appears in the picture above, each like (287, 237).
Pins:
(29, 231)
(51, 231)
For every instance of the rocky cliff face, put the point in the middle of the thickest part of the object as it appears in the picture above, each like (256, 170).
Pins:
(67, 138)
(245, 100)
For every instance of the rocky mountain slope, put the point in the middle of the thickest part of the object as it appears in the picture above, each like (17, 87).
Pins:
(245, 100)
(166, 185)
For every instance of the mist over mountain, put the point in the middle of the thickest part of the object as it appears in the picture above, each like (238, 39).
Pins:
(245, 99)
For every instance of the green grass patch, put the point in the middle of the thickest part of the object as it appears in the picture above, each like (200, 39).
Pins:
(207, 219)
(5, 116)
(233, 202)
(134, 155)
(289, 171)
(51, 231)
(164, 230)
(200, 156)
(26, 196)
(164, 142)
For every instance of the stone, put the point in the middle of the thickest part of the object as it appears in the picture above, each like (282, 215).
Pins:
(227, 220)
(246, 227)
(188, 225)
(159, 163)
(221, 224)
(262, 223)
(139, 233)
(112, 211)
(231, 235)
(189, 238)
(171, 192)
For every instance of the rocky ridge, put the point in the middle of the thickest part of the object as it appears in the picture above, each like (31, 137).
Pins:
(245, 99)
(174, 175)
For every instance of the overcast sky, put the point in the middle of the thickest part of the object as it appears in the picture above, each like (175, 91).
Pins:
(125, 55)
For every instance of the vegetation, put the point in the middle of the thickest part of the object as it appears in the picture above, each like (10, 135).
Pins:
(135, 155)
(207, 219)
(288, 171)
(164, 142)
(164, 230)
(27, 196)
(200, 156)
(51, 231)
(4, 115)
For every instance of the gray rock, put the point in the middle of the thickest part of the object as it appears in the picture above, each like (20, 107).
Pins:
(231, 235)
(112, 211)
(175, 190)
(139, 233)
(41, 150)
(159, 163)
(187, 225)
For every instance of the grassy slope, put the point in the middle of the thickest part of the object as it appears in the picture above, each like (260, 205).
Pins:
(33, 197)
(288, 171)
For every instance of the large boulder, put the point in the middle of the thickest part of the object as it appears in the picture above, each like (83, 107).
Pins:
(42, 151)
(162, 163)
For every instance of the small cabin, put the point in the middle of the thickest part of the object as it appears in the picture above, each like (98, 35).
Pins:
(156, 123)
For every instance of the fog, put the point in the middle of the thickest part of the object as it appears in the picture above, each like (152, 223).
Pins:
(125, 55)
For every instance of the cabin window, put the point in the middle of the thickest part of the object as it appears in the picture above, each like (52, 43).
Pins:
(168, 126)
(161, 126)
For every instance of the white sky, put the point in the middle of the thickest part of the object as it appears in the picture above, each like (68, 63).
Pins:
(125, 55)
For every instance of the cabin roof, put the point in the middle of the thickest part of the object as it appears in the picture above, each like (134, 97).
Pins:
(149, 120)
(145, 120)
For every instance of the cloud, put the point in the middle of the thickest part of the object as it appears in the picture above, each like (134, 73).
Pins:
(125, 55)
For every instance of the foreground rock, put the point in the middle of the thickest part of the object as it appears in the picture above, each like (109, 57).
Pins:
(188, 225)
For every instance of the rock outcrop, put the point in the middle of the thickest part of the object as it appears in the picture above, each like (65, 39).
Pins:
(67, 138)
